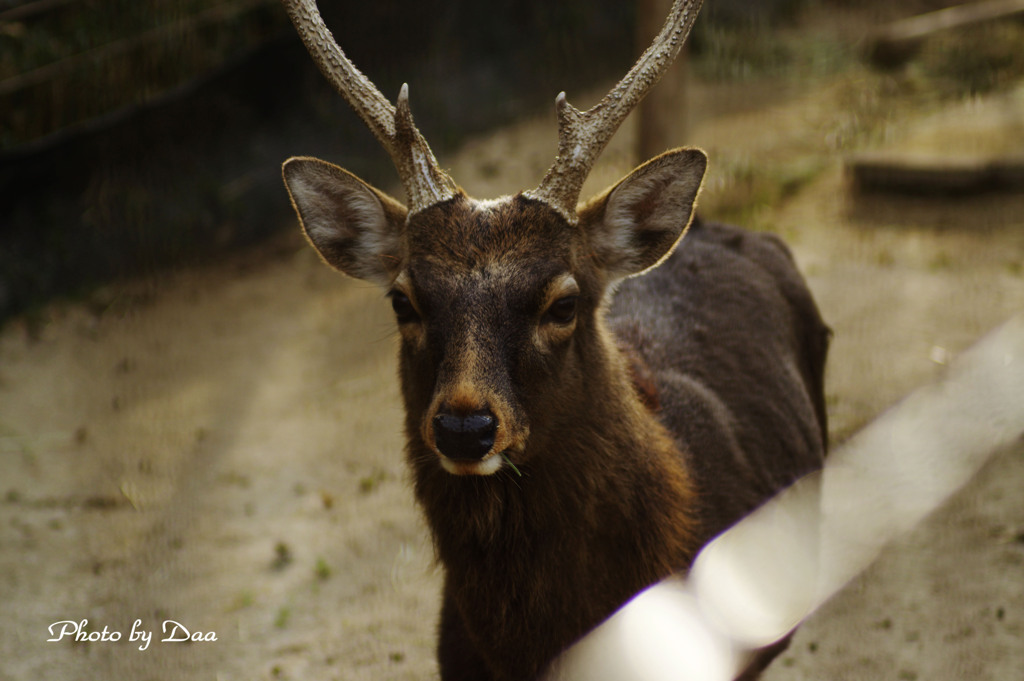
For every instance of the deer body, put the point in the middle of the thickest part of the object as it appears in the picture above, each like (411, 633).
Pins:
(570, 446)
(738, 348)
(619, 496)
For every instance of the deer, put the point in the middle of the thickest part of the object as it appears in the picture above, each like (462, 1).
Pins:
(589, 396)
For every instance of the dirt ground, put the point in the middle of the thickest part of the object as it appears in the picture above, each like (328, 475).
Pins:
(220, 447)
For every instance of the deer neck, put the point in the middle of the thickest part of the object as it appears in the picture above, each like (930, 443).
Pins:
(603, 509)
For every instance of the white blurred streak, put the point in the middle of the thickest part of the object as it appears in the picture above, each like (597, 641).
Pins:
(660, 635)
(759, 580)
(905, 464)
(756, 582)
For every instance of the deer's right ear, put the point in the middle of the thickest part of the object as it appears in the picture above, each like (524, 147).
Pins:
(356, 228)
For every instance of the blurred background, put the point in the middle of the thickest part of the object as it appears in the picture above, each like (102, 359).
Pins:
(200, 422)
(139, 134)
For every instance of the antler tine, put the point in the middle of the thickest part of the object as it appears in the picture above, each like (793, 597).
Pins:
(424, 181)
(582, 136)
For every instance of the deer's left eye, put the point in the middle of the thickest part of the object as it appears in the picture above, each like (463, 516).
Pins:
(405, 312)
(562, 311)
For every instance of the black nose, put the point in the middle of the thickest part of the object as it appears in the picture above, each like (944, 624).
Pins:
(466, 437)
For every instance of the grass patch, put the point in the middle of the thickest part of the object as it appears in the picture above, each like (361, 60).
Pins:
(244, 599)
(369, 483)
(743, 192)
(282, 556)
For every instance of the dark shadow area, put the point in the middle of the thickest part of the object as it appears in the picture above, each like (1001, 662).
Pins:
(195, 170)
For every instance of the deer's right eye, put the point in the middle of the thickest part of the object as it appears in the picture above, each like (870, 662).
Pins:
(403, 307)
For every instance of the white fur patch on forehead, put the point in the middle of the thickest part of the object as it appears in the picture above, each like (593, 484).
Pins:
(489, 205)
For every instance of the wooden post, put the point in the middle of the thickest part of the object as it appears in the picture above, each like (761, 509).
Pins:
(662, 114)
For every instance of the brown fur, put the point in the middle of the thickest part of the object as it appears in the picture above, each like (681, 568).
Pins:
(642, 377)
(603, 507)
(630, 449)
(562, 468)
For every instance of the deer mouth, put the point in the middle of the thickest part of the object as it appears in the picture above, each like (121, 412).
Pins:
(494, 461)
(489, 465)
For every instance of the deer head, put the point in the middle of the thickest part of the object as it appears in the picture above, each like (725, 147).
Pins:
(499, 303)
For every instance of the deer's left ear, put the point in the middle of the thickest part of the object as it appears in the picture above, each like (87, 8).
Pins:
(635, 224)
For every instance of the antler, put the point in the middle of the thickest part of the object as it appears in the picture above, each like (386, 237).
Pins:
(583, 135)
(424, 181)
